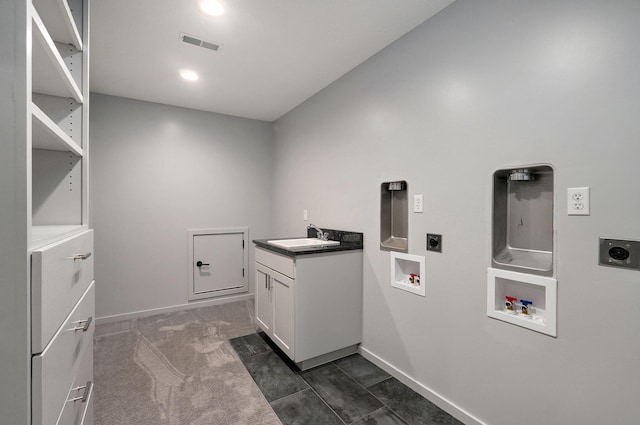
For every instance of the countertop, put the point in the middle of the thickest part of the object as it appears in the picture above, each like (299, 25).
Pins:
(349, 241)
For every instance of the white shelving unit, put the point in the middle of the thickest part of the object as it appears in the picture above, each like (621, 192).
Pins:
(50, 73)
(59, 119)
(49, 136)
(540, 290)
(46, 245)
(60, 21)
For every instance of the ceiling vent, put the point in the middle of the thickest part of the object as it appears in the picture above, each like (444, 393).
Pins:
(189, 39)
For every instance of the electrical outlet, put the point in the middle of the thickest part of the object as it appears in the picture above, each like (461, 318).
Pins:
(418, 204)
(434, 242)
(578, 201)
(305, 215)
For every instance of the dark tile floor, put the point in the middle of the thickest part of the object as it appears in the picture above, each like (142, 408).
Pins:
(351, 390)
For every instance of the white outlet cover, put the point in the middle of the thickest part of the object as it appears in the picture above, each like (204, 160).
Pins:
(578, 201)
(418, 203)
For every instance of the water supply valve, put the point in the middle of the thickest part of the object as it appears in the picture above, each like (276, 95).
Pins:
(526, 306)
(510, 302)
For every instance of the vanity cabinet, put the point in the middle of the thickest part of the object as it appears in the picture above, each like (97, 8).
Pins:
(310, 306)
(46, 246)
(274, 306)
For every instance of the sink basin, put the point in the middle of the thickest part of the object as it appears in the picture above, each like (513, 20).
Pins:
(302, 242)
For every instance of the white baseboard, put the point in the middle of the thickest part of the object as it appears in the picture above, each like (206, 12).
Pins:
(170, 309)
(421, 389)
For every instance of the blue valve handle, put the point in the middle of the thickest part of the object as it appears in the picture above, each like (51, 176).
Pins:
(526, 302)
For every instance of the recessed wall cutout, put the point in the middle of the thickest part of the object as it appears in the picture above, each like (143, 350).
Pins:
(394, 216)
(521, 289)
(407, 273)
(523, 211)
(522, 299)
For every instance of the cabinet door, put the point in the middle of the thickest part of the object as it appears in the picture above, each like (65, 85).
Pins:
(282, 299)
(264, 307)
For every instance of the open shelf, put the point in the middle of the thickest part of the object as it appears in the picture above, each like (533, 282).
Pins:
(47, 135)
(57, 188)
(44, 235)
(50, 74)
(540, 290)
(59, 21)
(403, 266)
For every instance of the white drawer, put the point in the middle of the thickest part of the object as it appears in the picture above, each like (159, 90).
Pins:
(277, 262)
(54, 371)
(78, 408)
(60, 274)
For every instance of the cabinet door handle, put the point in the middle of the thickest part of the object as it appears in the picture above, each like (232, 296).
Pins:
(85, 394)
(85, 325)
(200, 264)
(81, 256)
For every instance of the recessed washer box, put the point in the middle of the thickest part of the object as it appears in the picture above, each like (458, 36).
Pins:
(407, 273)
(394, 216)
(541, 291)
(523, 219)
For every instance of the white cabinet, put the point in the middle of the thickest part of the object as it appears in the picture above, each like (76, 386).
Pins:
(310, 305)
(55, 370)
(60, 273)
(264, 305)
(46, 262)
(274, 306)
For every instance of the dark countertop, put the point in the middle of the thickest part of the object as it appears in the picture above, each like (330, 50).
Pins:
(349, 241)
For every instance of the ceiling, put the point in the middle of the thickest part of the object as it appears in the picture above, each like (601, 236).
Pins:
(275, 54)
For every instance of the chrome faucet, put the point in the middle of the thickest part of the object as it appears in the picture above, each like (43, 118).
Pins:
(321, 235)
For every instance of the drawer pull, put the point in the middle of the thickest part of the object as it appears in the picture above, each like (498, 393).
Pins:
(85, 325)
(82, 256)
(85, 394)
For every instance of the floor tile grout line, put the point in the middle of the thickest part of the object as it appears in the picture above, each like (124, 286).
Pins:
(285, 396)
(373, 395)
(391, 409)
(298, 372)
(384, 406)
(354, 380)
(363, 387)
(358, 384)
(322, 399)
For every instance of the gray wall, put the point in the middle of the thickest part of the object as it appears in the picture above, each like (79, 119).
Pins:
(482, 86)
(157, 171)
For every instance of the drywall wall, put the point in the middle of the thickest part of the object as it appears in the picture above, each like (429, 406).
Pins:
(481, 86)
(157, 171)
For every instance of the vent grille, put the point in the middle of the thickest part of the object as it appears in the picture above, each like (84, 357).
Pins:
(189, 39)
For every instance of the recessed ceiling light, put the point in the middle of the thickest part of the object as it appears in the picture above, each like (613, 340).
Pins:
(211, 7)
(188, 75)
